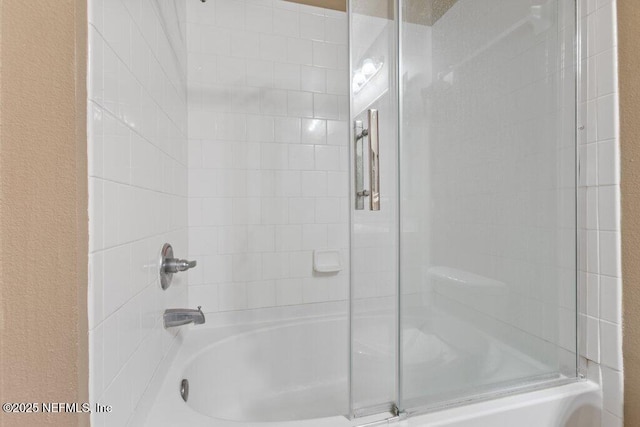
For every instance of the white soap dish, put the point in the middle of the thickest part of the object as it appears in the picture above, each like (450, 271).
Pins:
(327, 261)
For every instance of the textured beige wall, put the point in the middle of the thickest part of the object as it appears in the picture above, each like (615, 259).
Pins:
(629, 66)
(43, 207)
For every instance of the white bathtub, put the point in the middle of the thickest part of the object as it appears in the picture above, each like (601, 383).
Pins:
(281, 369)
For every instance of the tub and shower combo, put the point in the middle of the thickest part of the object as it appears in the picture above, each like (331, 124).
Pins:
(460, 303)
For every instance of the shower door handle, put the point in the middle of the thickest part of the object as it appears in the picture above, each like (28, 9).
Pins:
(374, 161)
(359, 134)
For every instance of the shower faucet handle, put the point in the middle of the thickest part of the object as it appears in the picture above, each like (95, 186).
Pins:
(174, 265)
(183, 264)
(170, 265)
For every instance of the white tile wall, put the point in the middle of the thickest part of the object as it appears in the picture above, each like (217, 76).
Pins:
(268, 152)
(600, 267)
(137, 127)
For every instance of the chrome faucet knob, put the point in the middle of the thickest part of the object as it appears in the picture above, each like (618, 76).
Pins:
(174, 265)
(170, 265)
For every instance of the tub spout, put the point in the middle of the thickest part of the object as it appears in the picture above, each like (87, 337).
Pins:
(183, 316)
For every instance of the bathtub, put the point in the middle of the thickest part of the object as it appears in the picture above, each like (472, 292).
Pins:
(267, 369)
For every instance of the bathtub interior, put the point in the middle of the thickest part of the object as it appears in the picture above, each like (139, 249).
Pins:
(573, 405)
(297, 369)
(282, 372)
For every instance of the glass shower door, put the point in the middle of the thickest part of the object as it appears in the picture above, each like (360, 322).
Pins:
(487, 197)
(374, 219)
(463, 283)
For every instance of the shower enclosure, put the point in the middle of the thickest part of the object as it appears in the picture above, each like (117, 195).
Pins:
(463, 210)
(449, 184)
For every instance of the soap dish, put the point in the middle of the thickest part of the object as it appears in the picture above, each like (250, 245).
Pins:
(327, 261)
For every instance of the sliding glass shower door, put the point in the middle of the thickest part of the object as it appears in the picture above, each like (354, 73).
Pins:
(474, 245)
(374, 218)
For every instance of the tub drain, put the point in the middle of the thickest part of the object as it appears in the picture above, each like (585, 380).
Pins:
(184, 389)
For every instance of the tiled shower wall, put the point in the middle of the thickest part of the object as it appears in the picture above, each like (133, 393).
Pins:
(599, 193)
(268, 159)
(137, 127)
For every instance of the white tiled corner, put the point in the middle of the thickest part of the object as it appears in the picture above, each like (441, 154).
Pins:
(137, 158)
(602, 206)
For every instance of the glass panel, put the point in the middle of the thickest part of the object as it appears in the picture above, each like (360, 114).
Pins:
(374, 284)
(487, 197)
